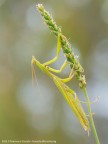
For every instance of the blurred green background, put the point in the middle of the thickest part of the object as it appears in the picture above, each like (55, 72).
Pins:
(40, 112)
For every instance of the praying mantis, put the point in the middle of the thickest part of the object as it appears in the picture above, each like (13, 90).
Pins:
(76, 70)
(69, 95)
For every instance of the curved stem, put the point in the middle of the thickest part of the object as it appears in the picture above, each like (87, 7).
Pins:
(91, 118)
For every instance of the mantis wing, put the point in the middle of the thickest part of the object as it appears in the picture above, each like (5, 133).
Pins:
(73, 101)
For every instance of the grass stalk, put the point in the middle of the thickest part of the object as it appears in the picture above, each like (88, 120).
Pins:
(91, 117)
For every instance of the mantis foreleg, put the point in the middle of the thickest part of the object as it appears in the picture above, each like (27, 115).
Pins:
(46, 69)
(57, 53)
(60, 70)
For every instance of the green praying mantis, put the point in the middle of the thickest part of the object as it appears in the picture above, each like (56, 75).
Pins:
(76, 70)
(68, 93)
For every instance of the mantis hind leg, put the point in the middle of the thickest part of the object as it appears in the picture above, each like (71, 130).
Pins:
(95, 101)
(57, 53)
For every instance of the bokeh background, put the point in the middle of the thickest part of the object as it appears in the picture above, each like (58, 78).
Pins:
(40, 112)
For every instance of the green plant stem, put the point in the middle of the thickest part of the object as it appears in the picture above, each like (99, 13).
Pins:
(90, 114)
